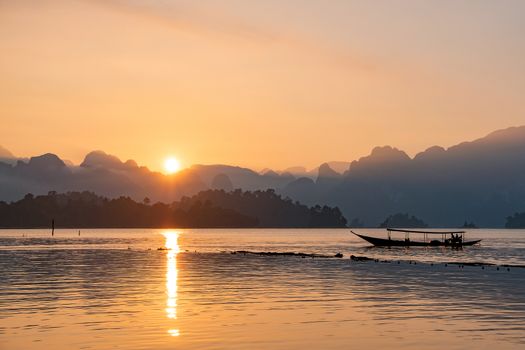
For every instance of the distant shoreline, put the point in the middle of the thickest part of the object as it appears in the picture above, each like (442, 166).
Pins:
(239, 228)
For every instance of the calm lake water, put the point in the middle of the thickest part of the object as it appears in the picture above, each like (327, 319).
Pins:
(112, 289)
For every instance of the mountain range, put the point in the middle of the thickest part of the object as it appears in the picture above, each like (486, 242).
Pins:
(481, 181)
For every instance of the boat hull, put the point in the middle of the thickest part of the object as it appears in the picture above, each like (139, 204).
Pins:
(380, 242)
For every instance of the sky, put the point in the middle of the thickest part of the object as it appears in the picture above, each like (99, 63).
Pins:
(262, 84)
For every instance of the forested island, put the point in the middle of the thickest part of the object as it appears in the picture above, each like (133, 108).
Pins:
(516, 221)
(207, 209)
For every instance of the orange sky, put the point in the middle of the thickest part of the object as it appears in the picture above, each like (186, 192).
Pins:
(256, 83)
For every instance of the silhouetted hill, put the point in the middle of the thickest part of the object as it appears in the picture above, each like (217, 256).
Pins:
(482, 180)
(99, 159)
(87, 210)
(326, 172)
(213, 208)
(299, 171)
(100, 173)
(5, 153)
(327, 177)
(270, 208)
(46, 163)
(222, 182)
(403, 221)
(339, 166)
(382, 160)
(304, 188)
(243, 178)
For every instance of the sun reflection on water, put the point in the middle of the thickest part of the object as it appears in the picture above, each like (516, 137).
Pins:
(172, 246)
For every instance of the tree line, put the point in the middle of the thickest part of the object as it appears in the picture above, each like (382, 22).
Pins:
(516, 221)
(211, 208)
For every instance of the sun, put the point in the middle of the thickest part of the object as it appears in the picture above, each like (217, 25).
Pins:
(171, 165)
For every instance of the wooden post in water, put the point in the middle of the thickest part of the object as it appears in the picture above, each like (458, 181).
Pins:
(52, 227)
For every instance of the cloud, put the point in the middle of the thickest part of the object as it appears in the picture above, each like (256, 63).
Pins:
(190, 19)
(229, 29)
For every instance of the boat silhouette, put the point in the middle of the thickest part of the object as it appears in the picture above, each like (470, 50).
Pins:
(442, 239)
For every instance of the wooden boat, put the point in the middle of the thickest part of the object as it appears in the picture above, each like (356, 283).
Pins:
(447, 239)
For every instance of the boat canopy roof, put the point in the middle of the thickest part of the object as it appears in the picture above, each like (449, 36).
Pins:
(426, 232)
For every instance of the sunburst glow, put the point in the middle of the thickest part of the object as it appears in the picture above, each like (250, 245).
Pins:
(171, 165)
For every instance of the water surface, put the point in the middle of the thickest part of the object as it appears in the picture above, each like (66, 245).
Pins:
(112, 289)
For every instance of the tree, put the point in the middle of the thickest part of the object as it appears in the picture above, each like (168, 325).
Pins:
(516, 221)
